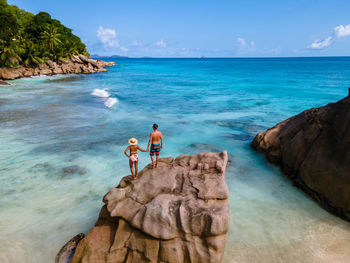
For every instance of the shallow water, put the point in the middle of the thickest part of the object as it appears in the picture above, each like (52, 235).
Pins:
(62, 149)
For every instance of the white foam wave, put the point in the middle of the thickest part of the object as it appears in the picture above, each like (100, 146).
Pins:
(110, 102)
(100, 93)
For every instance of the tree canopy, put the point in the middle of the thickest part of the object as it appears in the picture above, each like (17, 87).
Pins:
(30, 39)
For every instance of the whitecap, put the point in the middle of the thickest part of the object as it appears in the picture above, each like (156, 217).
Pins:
(100, 93)
(110, 102)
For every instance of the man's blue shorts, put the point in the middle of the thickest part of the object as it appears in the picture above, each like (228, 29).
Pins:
(155, 149)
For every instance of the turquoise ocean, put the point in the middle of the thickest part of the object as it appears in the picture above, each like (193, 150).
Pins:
(62, 149)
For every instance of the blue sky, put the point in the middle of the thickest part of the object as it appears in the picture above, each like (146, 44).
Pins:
(213, 28)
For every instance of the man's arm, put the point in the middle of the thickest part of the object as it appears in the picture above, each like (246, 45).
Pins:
(125, 152)
(150, 140)
(161, 140)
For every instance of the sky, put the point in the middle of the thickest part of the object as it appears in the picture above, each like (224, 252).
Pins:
(212, 28)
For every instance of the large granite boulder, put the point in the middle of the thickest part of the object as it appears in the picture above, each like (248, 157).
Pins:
(177, 212)
(313, 149)
(10, 73)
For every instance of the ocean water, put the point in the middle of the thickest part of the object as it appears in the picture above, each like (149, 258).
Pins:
(62, 147)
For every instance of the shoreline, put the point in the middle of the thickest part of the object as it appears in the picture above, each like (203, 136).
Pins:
(78, 64)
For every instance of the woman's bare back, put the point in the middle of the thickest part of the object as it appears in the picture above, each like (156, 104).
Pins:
(133, 149)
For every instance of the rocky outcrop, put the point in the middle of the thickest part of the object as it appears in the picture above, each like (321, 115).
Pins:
(313, 149)
(177, 212)
(78, 64)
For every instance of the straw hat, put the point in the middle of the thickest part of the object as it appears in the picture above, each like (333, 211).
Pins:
(133, 141)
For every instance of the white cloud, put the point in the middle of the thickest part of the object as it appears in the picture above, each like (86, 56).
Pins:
(161, 43)
(338, 32)
(252, 45)
(108, 37)
(241, 42)
(136, 43)
(245, 46)
(321, 44)
(184, 51)
(342, 31)
(124, 49)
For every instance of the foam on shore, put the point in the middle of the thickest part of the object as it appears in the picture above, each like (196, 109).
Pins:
(101, 93)
(110, 102)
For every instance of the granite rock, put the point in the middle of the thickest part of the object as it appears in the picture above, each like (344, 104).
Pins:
(177, 212)
(78, 64)
(313, 149)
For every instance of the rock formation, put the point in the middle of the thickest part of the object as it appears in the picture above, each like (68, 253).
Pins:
(78, 64)
(3, 82)
(178, 212)
(313, 149)
(67, 251)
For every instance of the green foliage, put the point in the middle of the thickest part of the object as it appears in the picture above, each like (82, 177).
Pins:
(51, 38)
(30, 39)
(8, 25)
(9, 53)
(31, 56)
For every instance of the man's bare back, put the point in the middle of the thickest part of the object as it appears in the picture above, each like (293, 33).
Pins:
(156, 136)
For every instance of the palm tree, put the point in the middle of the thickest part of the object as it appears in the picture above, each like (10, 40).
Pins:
(9, 53)
(69, 49)
(52, 38)
(31, 54)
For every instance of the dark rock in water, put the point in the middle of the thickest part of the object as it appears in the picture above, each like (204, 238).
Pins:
(178, 212)
(239, 137)
(73, 169)
(44, 168)
(205, 147)
(67, 79)
(66, 253)
(313, 149)
(246, 125)
(3, 82)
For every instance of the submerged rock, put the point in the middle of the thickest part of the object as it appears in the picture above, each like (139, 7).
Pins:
(197, 146)
(313, 149)
(66, 253)
(3, 82)
(178, 212)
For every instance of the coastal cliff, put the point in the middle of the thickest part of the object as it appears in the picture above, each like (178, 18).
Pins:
(178, 212)
(78, 64)
(313, 149)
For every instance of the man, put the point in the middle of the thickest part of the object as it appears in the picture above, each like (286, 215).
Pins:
(156, 141)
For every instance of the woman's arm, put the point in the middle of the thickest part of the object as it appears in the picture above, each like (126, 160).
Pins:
(127, 149)
(139, 148)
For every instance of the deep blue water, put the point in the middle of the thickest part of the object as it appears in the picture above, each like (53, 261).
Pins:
(50, 123)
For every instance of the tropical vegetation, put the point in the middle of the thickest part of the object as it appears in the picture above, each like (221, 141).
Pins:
(28, 39)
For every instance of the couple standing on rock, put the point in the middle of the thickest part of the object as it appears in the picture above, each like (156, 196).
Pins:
(156, 142)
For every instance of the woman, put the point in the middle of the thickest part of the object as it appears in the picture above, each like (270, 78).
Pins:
(133, 157)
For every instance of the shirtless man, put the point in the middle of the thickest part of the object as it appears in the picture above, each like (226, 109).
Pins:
(156, 141)
(133, 156)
